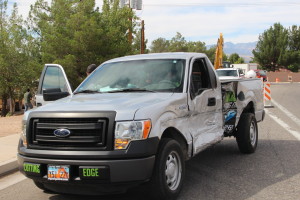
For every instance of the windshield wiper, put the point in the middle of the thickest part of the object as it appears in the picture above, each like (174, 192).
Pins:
(87, 91)
(131, 90)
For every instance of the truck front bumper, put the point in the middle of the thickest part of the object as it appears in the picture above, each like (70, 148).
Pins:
(115, 175)
(126, 170)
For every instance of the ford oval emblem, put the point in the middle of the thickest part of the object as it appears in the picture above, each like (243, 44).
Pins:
(62, 133)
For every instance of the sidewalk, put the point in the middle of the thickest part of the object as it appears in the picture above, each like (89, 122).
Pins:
(10, 125)
(8, 156)
(10, 130)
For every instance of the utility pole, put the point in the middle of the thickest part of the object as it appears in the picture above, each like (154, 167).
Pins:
(133, 5)
(130, 29)
(143, 38)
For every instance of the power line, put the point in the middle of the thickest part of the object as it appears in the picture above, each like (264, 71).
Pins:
(258, 4)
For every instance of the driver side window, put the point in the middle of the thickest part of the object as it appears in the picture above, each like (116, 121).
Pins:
(199, 78)
(54, 79)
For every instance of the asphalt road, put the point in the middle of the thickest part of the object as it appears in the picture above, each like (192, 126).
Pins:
(221, 172)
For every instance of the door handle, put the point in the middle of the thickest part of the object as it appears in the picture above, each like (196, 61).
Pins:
(211, 101)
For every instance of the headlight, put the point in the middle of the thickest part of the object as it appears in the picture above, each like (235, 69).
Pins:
(23, 134)
(128, 131)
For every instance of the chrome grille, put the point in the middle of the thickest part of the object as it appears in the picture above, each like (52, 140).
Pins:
(85, 132)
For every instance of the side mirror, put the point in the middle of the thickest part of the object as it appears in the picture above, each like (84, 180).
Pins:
(53, 94)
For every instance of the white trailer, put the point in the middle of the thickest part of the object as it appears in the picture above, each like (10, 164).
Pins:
(246, 67)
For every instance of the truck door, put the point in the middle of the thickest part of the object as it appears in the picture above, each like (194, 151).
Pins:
(53, 85)
(205, 105)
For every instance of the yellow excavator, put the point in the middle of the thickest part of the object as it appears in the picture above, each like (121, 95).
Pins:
(219, 55)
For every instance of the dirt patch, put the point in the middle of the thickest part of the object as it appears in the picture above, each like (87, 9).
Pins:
(10, 125)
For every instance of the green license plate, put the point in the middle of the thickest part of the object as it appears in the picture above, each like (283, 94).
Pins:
(32, 169)
(94, 172)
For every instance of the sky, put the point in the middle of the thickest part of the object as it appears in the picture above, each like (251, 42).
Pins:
(240, 21)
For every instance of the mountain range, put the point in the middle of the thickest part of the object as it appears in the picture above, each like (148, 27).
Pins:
(243, 49)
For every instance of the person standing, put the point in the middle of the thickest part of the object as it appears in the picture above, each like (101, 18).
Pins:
(90, 69)
(27, 98)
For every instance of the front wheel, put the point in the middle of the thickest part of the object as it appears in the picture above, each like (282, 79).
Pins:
(247, 133)
(169, 170)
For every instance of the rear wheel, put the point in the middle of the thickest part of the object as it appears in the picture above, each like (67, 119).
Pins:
(169, 170)
(247, 133)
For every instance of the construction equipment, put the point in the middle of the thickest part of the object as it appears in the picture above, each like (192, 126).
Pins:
(219, 53)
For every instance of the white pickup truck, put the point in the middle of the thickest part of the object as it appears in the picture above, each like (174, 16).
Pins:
(135, 119)
(230, 73)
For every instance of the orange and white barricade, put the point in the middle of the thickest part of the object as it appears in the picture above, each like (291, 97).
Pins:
(267, 94)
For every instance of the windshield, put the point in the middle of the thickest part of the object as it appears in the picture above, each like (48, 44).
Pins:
(227, 73)
(138, 75)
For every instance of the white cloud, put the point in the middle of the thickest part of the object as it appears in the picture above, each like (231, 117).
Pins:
(238, 23)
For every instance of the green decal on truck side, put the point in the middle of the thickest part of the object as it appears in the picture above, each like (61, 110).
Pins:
(33, 168)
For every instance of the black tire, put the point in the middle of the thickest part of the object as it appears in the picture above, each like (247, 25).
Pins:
(169, 170)
(40, 185)
(247, 133)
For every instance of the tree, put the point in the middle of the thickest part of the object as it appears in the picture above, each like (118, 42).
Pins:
(137, 43)
(196, 46)
(211, 53)
(75, 34)
(271, 51)
(17, 65)
(178, 44)
(225, 57)
(294, 48)
(235, 59)
(160, 45)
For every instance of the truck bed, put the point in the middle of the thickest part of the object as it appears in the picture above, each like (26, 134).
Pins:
(237, 94)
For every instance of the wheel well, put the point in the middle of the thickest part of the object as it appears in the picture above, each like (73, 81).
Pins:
(176, 135)
(249, 108)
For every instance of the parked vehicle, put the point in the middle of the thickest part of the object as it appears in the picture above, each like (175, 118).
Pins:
(134, 120)
(261, 74)
(230, 73)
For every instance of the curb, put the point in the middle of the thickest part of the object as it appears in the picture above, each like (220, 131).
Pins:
(278, 83)
(8, 166)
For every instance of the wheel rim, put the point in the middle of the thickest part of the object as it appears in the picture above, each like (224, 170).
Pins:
(253, 134)
(173, 170)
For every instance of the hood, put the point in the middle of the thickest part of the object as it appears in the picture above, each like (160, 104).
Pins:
(125, 104)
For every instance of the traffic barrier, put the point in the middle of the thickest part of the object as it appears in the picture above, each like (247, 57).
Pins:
(267, 95)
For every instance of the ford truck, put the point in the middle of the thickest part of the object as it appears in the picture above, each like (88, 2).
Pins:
(135, 120)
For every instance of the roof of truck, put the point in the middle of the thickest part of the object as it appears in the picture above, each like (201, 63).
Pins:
(173, 55)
